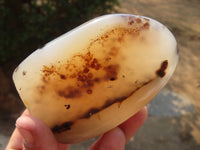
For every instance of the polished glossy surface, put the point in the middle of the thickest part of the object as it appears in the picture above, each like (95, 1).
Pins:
(96, 76)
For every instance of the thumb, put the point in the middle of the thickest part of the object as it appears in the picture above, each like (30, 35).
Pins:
(36, 134)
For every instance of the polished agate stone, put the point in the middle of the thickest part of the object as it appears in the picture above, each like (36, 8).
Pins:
(96, 76)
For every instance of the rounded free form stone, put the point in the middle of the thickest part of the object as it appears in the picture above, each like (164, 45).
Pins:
(97, 75)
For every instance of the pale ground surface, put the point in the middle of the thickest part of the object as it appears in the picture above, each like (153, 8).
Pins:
(174, 115)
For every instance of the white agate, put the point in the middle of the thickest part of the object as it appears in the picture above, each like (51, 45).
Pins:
(96, 76)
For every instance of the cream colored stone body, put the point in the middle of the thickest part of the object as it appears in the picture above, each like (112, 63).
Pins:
(96, 76)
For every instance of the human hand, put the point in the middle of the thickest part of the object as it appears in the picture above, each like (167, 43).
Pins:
(32, 134)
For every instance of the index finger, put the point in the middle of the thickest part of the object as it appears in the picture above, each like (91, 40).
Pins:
(16, 140)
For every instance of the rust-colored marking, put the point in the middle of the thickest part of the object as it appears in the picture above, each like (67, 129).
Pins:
(86, 70)
(109, 102)
(131, 20)
(95, 64)
(91, 112)
(114, 51)
(161, 72)
(89, 91)
(138, 20)
(67, 106)
(69, 92)
(67, 125)
(146, 25)
(24, 73)
(63, 127)
(111, 72)
(98, 62)
(62, 76)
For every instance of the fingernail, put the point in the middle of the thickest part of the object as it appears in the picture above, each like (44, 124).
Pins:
(27, 136)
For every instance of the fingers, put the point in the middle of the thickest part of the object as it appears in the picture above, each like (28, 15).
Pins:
(63, 146)
(16, 139)
(33, 134)
(130, 126)
(36, 134)
(15, 142)
(112, 140)
(118, 137)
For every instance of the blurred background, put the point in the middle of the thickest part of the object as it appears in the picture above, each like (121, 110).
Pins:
(174, 115)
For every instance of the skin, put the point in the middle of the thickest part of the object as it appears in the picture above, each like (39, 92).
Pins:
(32, 134)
